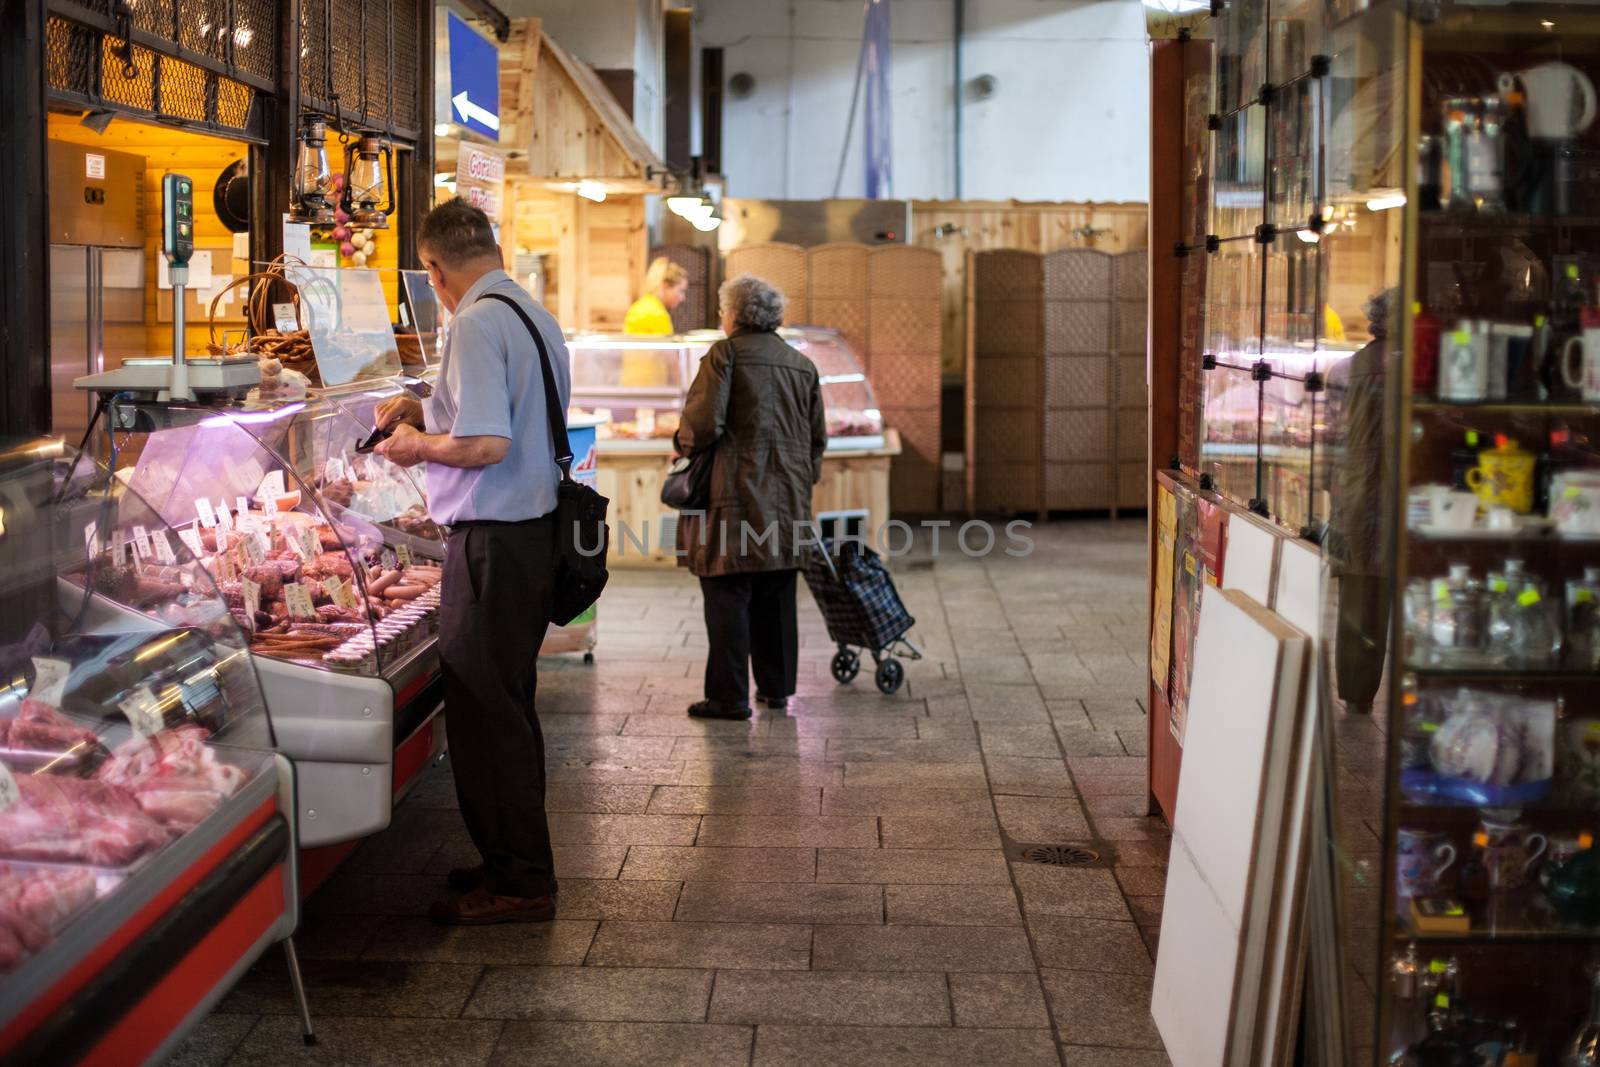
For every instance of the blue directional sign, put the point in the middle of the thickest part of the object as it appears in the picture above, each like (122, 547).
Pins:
(474, 79)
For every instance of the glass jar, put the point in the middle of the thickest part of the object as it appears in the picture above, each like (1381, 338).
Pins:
(1458, 618)
(1583, 620)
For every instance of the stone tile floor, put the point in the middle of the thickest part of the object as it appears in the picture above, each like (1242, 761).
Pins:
(839, 884)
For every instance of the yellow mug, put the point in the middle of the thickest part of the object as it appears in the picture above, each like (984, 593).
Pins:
(1504, 478)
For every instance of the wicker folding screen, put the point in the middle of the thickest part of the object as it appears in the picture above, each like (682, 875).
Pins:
(782, 265)
(1005, 331)
(836, 278)
(1079, 390)
(1131, 332)
(904, 327)
(698, 310)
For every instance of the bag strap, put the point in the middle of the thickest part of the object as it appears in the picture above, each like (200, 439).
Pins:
(552, 398)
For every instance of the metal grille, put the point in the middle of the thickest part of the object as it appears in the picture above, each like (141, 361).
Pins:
(1062, 855)
(255, 32)
(203, 26)
(348, 55)
(375, 14)
(405, 67)
(90, 68)
(313, 49)
(359, 62)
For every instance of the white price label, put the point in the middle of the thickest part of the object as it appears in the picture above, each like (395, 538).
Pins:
(191, 540)
(294, 543)
(49, 679)
(9, 793)
(269, 504)
(241, 507)
(141, 543)
(310, 543)
(343, 594)
(298, 599)
(226, 570)
(91, 539)
(144, 712)
(260, 537)
(403, 554)
(389, 559)
(119, 551)
(163, 547)
(253, 550)
(224, 517)
(208, 514)
(333, 470)
(271, 485)
(284, 318)
(252, 599)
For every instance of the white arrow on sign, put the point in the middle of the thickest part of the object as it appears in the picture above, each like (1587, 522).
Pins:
(471, 112)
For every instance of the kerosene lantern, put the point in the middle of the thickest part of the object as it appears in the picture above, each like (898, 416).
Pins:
(368, 182)
(313, 178)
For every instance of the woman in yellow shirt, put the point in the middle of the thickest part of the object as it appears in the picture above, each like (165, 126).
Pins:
(665, 286)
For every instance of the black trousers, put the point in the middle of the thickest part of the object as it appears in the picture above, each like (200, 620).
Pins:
(1363, 638)
(750, 618)
(493, 613)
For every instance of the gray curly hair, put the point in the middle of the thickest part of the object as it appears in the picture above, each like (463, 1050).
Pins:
(753, 303)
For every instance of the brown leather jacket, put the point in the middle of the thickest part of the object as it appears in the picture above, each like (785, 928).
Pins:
(765, 421)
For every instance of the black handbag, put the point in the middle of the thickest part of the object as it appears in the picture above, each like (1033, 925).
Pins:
(582, 536)
(687, 486)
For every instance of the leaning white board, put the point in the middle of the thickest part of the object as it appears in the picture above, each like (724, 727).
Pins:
(1252, 561)
(1248, 669)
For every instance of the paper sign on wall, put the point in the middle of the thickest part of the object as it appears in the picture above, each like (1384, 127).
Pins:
(297, 239)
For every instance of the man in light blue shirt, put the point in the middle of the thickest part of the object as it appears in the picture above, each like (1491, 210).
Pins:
(492, 476)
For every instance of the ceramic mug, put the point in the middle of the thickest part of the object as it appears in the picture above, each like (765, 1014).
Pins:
(1464, 363)
(1584, 374)
(1513, 851)
(1561, 99)
(1504, 477)
(1451, 509)
(1423, 859)
(1575, 504)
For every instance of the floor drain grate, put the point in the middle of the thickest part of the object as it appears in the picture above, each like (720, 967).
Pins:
(1061, 855)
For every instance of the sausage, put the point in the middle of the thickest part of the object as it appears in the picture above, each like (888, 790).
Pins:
(382, 582)
(404, 592)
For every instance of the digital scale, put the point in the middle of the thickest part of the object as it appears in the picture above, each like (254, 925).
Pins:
(176, 378)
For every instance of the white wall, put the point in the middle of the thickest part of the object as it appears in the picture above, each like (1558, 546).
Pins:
(1068, 119)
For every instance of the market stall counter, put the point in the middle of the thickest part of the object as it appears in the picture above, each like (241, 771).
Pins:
(639, 384)
(147, 827)
(326, 559)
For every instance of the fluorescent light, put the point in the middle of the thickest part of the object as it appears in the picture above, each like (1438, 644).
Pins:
(1310, 237)
(1387, 202)
(591, 190)
(680, 205)
(705, 223)
(443, 129)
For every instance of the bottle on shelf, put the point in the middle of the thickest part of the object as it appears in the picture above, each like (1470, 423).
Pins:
(1583, 620)
(1584, 1048)
(1463, 458)
(1426, 330)
(1458, 617)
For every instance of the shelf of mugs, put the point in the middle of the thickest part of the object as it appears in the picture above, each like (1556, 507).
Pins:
(1423, 403)
(1452, 224)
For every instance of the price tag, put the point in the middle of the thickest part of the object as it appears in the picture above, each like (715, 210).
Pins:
(207, 514)
(227, 571)
(294, 544)
(163, 547)
(260, 537)
(141, 543)
(241, 507)
(284, 318)
(49, 679)
(1497, 585)
(269, 504)
(9, 793)
(191, 540)
(119, 551)
(253, 550)
(333, 470)
(1529, 597)
(271, 485)
(310, 543)
(91, 539)
(224, 517)
(341, 593)
(298, 599)
(144, 712)
(390, 560)
(252, 599)
(1583, 596)
(403, 554)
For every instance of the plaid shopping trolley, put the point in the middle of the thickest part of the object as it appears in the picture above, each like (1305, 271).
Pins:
(859, 603)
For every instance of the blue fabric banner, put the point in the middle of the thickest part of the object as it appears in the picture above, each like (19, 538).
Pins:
(878, 140)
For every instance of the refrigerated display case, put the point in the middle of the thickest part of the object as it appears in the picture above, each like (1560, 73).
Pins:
(639, 384)
(147, 826)
(328, 561)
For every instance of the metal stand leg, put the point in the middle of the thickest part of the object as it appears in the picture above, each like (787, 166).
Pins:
(299, 987)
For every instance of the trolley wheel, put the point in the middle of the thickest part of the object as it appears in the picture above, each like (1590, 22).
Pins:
(889, 676)
(846, 665)
(588, 659)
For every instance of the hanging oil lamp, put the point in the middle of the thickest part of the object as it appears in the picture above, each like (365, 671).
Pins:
(313, 178)
(368, 182)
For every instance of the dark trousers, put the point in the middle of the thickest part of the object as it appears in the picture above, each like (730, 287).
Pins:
(494, 609)
(750, 618)
(1363, 638)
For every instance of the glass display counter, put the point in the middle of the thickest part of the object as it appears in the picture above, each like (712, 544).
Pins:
(140, 797)
(326, 560)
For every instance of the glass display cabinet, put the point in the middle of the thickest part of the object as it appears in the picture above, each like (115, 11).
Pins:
(1402, 362)
(140, 796)
(326, 559)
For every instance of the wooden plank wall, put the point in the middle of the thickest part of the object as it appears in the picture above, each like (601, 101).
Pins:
(955, 227)
(597, 252)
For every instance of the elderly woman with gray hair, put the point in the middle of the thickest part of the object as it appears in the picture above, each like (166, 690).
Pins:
(758, 404)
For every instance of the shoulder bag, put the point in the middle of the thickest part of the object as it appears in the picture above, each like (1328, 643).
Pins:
(687, 485)
(582, 536)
